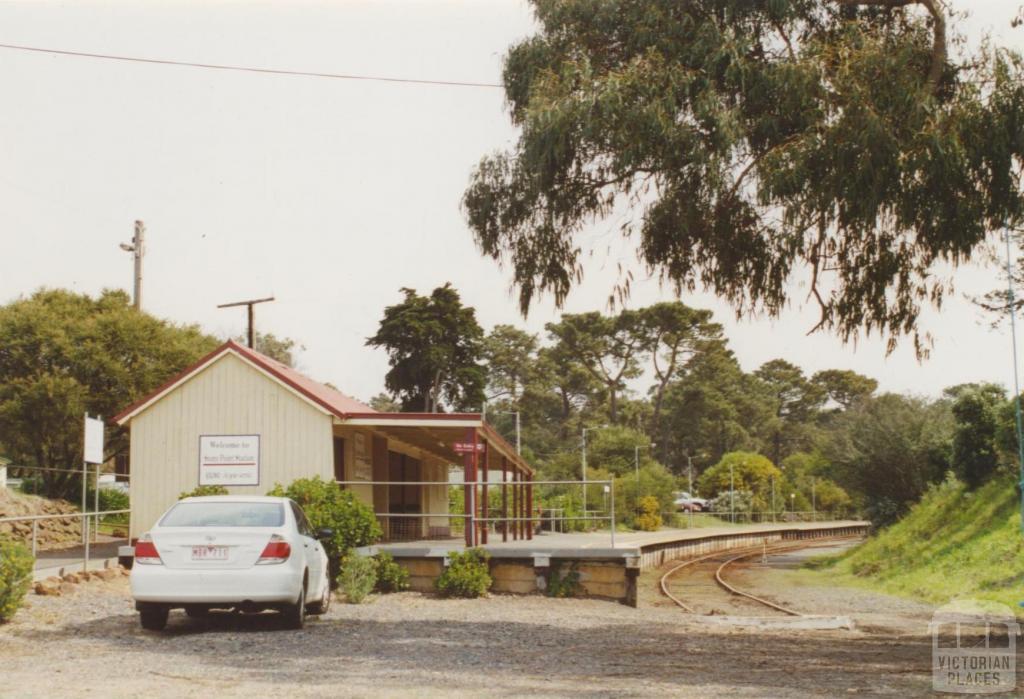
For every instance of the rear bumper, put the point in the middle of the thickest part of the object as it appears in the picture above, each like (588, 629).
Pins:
(269, 584)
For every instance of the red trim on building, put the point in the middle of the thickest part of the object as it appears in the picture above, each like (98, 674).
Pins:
(332, 400)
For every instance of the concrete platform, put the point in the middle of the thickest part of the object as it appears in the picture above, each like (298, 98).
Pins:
(604, 570)
(599, 544)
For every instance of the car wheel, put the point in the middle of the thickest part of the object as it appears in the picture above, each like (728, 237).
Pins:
(153, 617)
(295, 614)
(323, 605)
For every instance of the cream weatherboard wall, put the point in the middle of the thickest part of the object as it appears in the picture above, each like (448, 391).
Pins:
(227, 397)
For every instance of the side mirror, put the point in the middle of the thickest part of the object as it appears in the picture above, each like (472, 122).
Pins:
(325, 534)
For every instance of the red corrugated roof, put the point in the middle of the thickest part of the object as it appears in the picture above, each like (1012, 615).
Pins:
(329, 398)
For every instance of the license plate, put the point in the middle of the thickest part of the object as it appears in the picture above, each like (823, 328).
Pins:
(209, 553)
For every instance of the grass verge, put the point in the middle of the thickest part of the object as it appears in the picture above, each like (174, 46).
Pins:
(953, 544)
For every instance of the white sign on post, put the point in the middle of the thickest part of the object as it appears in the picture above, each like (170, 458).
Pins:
(229, 459)
(93, 440)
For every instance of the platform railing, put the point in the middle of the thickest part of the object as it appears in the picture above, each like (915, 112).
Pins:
(90, 520)
(475, 520)
(688, 519)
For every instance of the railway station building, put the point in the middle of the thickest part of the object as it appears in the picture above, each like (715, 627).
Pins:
(240, 419)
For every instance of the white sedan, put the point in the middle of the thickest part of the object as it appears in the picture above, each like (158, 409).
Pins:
(231, 552)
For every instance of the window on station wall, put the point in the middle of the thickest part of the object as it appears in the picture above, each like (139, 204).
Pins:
(339, 458)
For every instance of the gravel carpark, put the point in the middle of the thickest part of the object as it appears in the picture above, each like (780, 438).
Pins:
(88, 643)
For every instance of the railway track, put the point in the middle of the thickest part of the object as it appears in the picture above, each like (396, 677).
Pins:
(727, 558)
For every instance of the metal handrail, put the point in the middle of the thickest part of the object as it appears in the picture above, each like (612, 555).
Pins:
(458, 484)
(35, 519)
(473, 519)
(26, 518)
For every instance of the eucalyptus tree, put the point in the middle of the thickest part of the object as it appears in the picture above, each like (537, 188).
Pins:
(843, 141)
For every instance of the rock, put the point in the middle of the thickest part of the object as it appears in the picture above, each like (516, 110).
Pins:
(50, 590)
(72, 578)
(106, 574)
(66, 588)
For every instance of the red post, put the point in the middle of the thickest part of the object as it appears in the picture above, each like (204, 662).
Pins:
(467, 490)
(486, 504)
(529, 506)
(476, 479)
(504, 498)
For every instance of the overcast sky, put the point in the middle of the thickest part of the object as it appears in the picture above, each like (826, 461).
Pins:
(328, 194)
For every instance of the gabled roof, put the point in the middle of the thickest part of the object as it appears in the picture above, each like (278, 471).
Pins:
(329, 399)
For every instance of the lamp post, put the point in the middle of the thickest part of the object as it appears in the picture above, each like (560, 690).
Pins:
(732, 496)
(636, 467)
(585, 429)
(792, 504)
(1016, 381)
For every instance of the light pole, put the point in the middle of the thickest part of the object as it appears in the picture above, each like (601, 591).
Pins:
(792, 504)
(1016, 381)
(585, 429)
(732, 496)
(689, 470)
(814, 502)
(773, 499)
(636, 467)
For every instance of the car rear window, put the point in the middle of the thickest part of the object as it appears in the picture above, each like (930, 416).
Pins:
(224, 514)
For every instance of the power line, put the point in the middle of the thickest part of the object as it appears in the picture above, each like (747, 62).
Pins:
(245, 69)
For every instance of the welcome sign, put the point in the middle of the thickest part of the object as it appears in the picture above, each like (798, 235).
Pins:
(229, 459)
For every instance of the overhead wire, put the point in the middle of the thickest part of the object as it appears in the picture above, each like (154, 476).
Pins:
(246, 69)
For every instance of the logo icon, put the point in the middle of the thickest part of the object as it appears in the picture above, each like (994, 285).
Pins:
(974, 648)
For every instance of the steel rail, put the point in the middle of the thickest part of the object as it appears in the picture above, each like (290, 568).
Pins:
(738, 554)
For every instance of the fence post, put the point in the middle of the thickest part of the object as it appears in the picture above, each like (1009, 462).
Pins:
(85, 530)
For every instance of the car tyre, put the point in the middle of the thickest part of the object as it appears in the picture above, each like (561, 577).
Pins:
(197, 612)
(323, 605)
(295, 614)
(153, 617)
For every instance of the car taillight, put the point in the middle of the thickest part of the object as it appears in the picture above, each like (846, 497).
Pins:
(145, 551)
(277, 550)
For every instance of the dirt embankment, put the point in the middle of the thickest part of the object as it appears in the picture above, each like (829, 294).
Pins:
(51, 533)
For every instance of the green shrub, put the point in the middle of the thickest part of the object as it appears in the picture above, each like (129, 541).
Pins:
(203, 490)
(16, 564)
(649, 519)
(564, 586)
(467, 574)
(391, 577)
(110, 499)
(31, 485)
(327, 506)
(358, 577)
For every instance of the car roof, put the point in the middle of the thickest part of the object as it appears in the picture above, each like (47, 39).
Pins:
(235, 498)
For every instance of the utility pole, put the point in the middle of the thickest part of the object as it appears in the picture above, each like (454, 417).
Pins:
(138, 249)
(251, 334)
(689, 464)
(600, 427)
(732, 496)
(1016, 381)
(636, 466)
